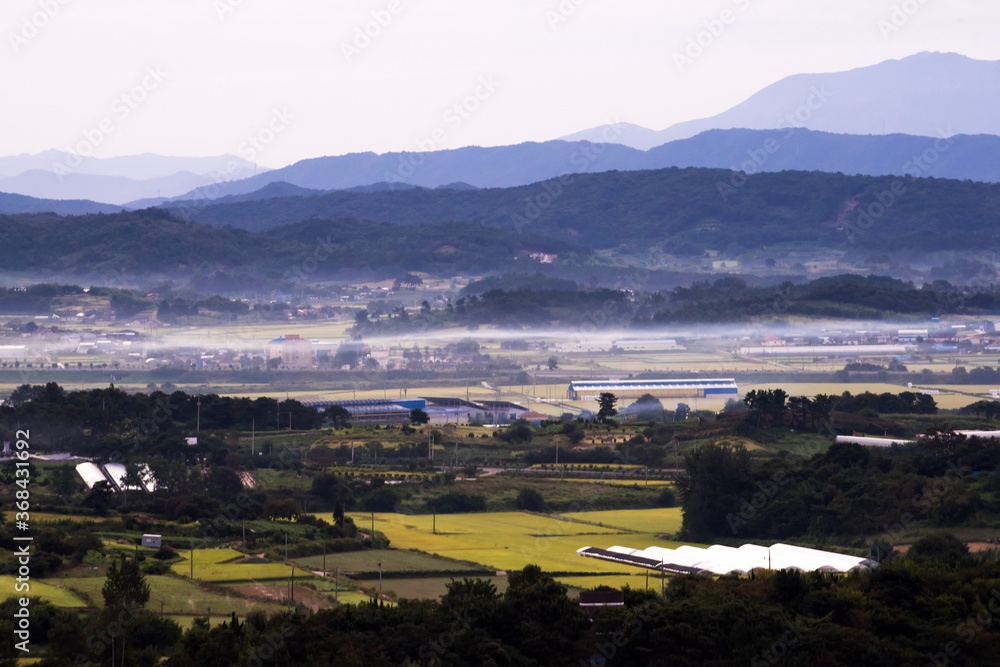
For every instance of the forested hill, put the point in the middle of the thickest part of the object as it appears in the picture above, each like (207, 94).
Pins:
(685, 211)
(155, 242)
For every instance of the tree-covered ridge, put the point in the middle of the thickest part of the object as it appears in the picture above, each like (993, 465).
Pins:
(721, 301)
(681, 211)
(119, 247)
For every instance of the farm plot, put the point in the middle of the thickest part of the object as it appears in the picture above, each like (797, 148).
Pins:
(226, 565)
(425, 587)
(57, 595)
(178, 596)
(505, 540)
(663, 520)
(392, 560)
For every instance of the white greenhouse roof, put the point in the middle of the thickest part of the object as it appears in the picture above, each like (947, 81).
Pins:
(719, 559)
(90, 474)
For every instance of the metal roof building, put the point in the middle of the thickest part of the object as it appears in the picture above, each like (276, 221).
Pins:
(582, 390)
(375, 410)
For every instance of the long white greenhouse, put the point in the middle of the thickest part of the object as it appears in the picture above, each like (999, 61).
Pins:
(719, 559)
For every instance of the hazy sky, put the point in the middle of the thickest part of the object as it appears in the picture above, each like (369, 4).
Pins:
(200, 77)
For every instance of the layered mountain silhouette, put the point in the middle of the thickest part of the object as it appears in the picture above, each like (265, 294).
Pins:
(925, 95)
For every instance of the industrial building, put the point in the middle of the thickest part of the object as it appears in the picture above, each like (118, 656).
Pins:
(719, 559)
(293, 351)
(375, 410)
(584, 390)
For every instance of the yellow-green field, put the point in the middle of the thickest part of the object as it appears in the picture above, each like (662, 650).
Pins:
(226, 565)
(664, 520)
(58, 596)
(178, 596)
(612, 482)
(637, 581)
(511, 540)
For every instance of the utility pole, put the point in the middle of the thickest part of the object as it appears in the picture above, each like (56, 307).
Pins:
(198, 426)
(286, 548)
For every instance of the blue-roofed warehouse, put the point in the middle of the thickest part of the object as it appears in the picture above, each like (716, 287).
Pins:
(591, 389)
(374, 411)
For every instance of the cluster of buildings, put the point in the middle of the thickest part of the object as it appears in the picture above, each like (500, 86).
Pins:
(979, 335)
(439, 410)
(590, 389)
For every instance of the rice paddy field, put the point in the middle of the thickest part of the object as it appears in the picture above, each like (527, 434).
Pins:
(178, 596)
(507, 541)
(394, 560)
(227, 565)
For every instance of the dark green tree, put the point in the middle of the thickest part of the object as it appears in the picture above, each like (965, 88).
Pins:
(337, 415)
(716, 483)
(126, 593)
(606, 403)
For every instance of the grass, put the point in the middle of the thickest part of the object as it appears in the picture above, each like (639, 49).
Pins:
(393, 560)
(619, 581)
(509, 540)
(425, 587)
(218, 565)
(57, 595)
(49, 517)
(179, 596)
(665, 520)
(637, 483)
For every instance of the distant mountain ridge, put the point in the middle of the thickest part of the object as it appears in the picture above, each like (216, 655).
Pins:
(961, 157)
(922, 95)
(497, 167)
(13, 204)
(870, 120)
(56, 174)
